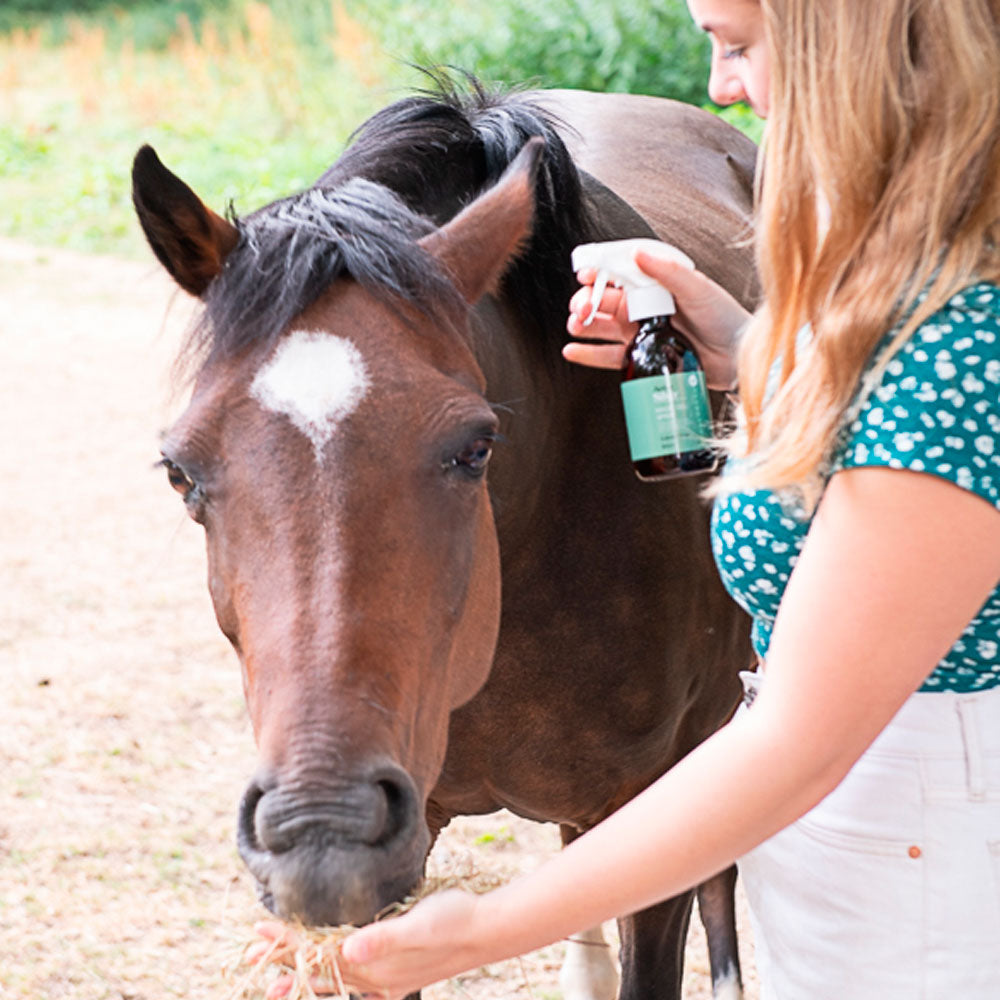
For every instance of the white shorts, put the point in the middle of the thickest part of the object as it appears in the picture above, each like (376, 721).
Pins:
(890, 888)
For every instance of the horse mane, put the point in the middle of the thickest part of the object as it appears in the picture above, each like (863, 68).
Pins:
(408, 168)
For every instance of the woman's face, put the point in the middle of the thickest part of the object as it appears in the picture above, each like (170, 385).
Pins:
(740, 65)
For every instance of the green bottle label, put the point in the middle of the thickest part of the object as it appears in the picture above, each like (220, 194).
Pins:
(667, 414)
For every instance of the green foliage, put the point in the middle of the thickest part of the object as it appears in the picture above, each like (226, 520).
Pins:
(635, 46)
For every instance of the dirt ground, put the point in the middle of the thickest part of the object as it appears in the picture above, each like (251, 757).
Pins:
(123, 737)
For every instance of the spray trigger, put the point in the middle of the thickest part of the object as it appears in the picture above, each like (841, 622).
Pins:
(600, 283)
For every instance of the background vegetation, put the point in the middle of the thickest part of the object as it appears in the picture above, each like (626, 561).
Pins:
(249, 100)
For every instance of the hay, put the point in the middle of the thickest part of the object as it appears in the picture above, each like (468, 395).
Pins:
(312, 961)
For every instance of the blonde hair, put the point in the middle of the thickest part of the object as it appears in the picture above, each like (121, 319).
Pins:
(889, 112)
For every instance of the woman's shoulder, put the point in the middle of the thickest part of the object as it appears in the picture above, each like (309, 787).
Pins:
(968, 324)
(956, 350)
(978, 303)
(935, 405)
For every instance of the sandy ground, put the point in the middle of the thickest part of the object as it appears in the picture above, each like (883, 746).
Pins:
(123, 737)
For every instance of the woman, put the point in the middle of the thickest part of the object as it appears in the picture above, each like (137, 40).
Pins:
(858, 521)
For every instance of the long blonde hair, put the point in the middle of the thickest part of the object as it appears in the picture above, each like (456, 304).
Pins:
(888, 112)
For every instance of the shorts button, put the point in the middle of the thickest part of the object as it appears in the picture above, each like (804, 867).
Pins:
(914, 851)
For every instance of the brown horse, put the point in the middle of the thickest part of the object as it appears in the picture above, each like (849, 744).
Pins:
(365, 348)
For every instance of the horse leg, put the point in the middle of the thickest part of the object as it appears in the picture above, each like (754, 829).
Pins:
(717, 908)
(588, 971)
(652, 949)
(653, 942)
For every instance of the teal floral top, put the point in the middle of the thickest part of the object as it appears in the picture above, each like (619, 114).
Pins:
(936, 409)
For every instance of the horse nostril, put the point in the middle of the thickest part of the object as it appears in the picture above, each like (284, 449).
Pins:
(253, 853)
(400, 808)
(245, 833)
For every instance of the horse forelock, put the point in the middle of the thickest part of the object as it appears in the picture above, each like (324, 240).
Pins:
(290, 251)
(410, 166)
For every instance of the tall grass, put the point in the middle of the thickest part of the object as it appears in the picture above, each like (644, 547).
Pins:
(233, 107)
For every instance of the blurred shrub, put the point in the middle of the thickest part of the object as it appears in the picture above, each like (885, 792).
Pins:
(638, 46)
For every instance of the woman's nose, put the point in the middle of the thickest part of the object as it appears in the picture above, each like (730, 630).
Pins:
(724, 85)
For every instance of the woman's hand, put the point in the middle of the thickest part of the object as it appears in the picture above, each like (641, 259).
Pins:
(609, 327)
(392, 958)
(438, 938)
(706, 313)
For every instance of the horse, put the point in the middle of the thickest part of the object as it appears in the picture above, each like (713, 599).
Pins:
(447, 591)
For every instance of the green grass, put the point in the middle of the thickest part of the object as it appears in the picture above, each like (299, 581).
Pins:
(249, 101)
(499, 837)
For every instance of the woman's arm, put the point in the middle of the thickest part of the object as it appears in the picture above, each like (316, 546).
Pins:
(895, 565)
(706, 312)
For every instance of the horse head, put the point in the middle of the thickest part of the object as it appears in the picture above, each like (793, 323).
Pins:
(335, 450)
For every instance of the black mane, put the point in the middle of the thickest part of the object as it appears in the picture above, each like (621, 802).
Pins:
(409, 168)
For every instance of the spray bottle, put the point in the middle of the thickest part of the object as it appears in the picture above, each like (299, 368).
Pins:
(667, 412)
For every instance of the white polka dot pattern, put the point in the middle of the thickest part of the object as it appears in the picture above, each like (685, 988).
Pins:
(935, 410)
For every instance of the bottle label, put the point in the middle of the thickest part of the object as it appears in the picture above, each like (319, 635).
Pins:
(667, 414)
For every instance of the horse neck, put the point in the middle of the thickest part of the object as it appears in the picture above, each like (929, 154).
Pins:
(559, 420)
(557, 423)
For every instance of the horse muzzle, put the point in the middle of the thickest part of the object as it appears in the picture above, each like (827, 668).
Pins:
(333, 856)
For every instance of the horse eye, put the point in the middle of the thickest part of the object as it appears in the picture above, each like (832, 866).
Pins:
(474, 458)
(178, 478)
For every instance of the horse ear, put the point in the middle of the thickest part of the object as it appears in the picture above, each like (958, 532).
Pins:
(477, 246)
(189, 239)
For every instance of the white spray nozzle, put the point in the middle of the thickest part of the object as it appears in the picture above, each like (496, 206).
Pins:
(615, 264)
(600, 283)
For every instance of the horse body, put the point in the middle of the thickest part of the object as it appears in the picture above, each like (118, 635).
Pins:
(647, 582)
(355, 550)
(690, 180)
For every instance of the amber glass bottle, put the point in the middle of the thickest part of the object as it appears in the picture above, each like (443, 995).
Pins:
(667, 412)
